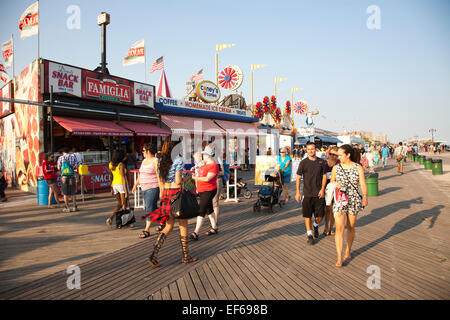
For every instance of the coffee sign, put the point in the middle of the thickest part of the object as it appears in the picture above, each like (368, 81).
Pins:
(208, 91)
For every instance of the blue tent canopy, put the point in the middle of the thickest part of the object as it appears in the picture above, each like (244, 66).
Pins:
(329, 139)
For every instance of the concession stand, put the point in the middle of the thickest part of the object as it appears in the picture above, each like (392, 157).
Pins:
(92, 111)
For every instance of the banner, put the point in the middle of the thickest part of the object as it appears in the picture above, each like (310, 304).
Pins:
(29, 21)
(3, 74)
(6, 107)
(135, 55)
(7, 52)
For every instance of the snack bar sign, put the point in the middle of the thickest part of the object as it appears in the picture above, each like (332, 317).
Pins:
(64, 79)
(107, 89)
(144, 95)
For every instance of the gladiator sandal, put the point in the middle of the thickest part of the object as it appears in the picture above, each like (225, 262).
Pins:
(153, 259)
(186, 257)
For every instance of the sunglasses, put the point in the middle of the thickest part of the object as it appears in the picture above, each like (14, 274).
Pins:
(334, 154)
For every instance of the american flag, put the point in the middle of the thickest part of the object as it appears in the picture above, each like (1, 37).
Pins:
(198, 76)
(157, 65)
(301, 107)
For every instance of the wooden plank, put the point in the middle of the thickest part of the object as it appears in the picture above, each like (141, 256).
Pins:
(165, 293)
(183, 292)
(174, 293)
(219, 293)
(220, 279)
(230, 282)
(209, 290)
(199, 283)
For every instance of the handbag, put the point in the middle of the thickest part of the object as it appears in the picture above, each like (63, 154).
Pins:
(348, 179)
(184, 205)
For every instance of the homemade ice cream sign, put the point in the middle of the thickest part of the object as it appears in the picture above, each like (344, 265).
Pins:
(208, 91)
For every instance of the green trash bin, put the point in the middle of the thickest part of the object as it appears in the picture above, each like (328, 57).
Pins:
(421, 160)
(436, 167)
(372, 184)
(428, 163)
(416, 158)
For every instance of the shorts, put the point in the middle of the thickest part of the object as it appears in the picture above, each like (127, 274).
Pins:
(118, 188)
(68, 185)
(285, 179)
(314, 205)
(50, 182)
(206, 202)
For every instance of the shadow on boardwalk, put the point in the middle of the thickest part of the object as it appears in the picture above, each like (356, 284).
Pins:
(403, 225)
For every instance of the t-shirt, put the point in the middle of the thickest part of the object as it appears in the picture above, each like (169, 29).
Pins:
(385, 152)
(312, 172)
(203, 171)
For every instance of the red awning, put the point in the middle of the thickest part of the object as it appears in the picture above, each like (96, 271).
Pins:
(238, 129)
(91, 127)
(145, 129)
(182, 125)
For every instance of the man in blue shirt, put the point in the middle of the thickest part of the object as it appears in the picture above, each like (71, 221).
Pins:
(384, 154)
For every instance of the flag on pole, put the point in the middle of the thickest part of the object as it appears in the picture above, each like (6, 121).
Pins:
(3, 74)
(136, 54)
(280, 79)
(7, 52)
(163, 87)
(157, 65)
(198, 76)
(257, 66)
(29, 21)
(220, 47)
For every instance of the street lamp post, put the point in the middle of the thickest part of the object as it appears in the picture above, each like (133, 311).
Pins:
(253, 67)
(220, 47)
(432, 134)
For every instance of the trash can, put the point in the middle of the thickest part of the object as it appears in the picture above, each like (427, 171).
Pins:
(421, 160)
(416, 158)
(436, 167)
(42, 192)
(428, 163)
(372, 184)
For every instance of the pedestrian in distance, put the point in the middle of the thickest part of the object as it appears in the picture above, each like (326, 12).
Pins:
(384, 155)
(332, 160)
(78, 177)
(50, 172)
(119, 183)
(170, 174)
(149, 182)
(206, 182)
(349, 175)
(3, 186)
(67, 164)
(285, 163)
(400, 154)
(312, 169)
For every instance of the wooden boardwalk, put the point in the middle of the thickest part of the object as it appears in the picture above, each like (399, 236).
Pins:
(261, 256)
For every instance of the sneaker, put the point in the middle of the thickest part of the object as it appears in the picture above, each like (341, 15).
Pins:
(316, 232)
(65, 210)
(310, 240)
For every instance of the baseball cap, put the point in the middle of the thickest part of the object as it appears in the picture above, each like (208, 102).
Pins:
(209, 151)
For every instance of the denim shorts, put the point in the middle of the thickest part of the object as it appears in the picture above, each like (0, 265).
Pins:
(151, 197)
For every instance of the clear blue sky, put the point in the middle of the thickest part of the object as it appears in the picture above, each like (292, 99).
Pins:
(395, 80)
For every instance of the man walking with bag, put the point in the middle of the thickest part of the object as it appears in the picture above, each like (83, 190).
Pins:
(399, 155)
(67, 164)
(312, 169)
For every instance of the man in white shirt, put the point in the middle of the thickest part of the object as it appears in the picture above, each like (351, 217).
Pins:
(399, 155)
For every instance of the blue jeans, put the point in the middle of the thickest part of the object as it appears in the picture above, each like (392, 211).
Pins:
(151, 197)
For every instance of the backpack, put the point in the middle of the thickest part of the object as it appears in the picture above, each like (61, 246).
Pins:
(66, 168)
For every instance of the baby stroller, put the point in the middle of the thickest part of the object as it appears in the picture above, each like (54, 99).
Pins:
(270, 192)
(241, 188)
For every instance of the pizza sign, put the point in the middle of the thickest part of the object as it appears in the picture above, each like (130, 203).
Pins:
(107, 89)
